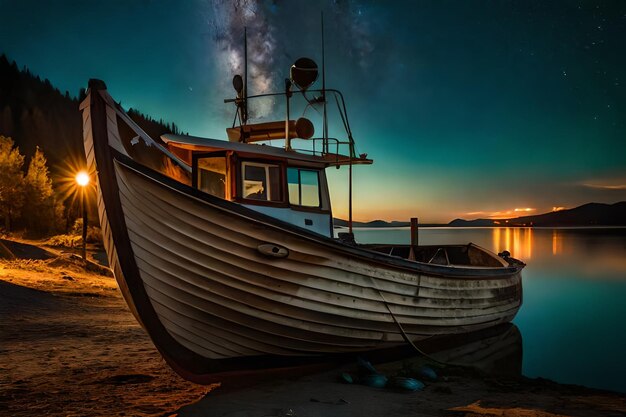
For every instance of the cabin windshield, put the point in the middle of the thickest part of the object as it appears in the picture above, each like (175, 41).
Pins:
(211, 175)
(304, 187)
(289, 190)
(261, 181)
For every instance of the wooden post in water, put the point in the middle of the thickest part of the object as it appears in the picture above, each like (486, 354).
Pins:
(414, 238)
(414, 232)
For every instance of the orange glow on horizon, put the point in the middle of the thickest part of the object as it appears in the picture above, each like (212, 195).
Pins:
(368, 214)
(502, 215)
(387, 211)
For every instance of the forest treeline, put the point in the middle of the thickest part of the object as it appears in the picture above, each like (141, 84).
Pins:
(27, 198)
(44, 124)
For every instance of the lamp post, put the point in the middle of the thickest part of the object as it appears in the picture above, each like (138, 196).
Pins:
(82, 179)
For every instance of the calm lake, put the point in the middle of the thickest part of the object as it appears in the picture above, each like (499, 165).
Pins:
(572, 319)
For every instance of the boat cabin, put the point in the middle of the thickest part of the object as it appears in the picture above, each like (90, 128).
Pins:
(284, 184)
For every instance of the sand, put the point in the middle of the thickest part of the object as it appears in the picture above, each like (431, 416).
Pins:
(70, 347)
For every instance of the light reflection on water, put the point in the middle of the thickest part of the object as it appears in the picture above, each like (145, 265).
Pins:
(572, 319)
(518, 241)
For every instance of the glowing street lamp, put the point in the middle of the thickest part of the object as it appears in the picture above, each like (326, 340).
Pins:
(82, 179)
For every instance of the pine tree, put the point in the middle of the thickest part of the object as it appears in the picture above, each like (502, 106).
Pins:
(41, 210)
(11, 182)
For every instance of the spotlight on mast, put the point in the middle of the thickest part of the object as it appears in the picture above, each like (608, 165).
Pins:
(303, 73)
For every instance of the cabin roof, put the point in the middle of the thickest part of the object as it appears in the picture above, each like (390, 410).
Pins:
(195, 143)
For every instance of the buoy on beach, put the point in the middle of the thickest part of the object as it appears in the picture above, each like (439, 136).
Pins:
(407, 384)
(374, 380)
(347, 378)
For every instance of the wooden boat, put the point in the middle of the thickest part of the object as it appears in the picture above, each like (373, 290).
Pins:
(229, 262)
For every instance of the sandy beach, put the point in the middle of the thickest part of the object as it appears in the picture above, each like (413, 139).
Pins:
(70, 347)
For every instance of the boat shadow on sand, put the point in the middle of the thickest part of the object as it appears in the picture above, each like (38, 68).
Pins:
(489, 354)
(494, 351)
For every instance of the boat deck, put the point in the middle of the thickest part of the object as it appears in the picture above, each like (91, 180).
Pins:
(459, 255)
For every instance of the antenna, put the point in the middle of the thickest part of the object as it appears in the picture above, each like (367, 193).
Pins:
(325, 121)
(287, 97)
(245, 75)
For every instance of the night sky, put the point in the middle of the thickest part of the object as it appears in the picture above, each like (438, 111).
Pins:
(469, 108)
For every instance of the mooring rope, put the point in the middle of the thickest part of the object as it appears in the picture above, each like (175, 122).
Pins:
(402, 332)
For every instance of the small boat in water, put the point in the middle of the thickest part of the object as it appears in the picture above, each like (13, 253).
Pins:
(225, 250)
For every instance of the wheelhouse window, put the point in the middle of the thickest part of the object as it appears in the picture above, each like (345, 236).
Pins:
(261, 181)
(304, 187)
(211, 175)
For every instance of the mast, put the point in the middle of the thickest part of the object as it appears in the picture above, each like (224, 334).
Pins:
(287, 96)
(245, 75)
(350, 196)
(325, 121)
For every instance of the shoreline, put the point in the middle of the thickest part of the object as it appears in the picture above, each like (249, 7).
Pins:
(71, 347)
(445, 226)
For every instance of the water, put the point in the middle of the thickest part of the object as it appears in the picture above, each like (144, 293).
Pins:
(572, 318)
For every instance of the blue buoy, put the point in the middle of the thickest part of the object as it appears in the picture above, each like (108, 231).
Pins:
(347, 378)
(374, 380)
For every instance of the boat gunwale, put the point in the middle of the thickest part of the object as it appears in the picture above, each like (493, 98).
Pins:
(447, 271)
(283, 268)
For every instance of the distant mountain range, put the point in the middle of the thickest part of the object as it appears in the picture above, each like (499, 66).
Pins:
(592, 214)
(381, 223)
(373, 223)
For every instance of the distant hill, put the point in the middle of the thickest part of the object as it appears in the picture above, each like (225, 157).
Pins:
(380, 223)
(592, 214)
(35, 113)
(373, 223)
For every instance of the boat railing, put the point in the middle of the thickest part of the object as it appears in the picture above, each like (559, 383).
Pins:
(335, 150)
(324, 147)
(321, 146)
